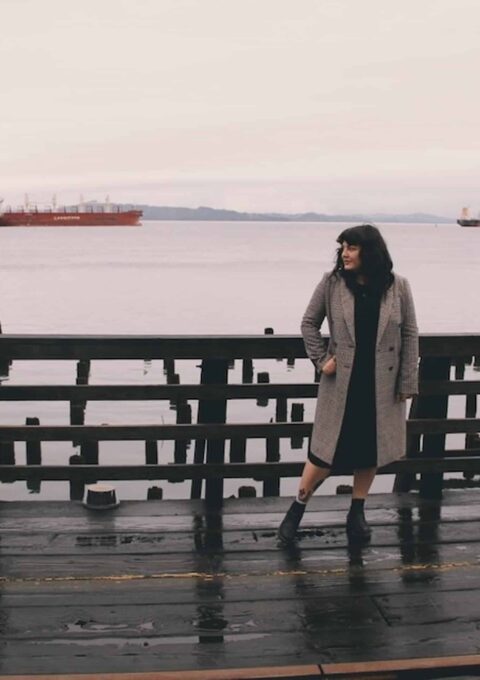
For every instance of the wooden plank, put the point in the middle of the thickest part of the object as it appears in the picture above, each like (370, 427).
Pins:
(196, 347)
(157, 392)
(194, 392)
(9, 433)
(306, 672)
(180, 472)
(314, 535)
(465, 663)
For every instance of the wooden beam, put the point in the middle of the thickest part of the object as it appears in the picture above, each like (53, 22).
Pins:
(176, 472)
(9, 433)
(37, 347)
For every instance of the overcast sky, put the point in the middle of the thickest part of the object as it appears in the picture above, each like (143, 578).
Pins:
(291, 105)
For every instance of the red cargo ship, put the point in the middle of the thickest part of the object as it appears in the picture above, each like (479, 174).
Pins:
(70, 217)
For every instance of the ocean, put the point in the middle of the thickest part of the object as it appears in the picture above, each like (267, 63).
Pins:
(200, 278)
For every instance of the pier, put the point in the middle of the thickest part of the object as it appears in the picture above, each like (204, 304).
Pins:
(198, 588)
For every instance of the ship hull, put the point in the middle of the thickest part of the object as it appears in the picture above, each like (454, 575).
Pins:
(469, 223)
(126, 218)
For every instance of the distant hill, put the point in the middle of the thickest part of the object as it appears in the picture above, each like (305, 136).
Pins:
(160, 212)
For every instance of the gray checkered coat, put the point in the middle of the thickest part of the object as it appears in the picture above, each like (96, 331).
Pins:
(396, 368)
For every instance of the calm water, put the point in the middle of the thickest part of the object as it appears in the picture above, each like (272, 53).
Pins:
(200, 278)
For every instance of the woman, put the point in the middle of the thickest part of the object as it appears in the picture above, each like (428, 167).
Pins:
(367, 371)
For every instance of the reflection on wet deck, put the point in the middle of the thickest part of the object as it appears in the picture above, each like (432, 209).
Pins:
(165, 585)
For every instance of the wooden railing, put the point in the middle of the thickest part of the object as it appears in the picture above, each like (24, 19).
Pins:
(427, 424)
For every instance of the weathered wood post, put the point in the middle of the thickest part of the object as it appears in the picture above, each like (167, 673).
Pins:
(7, 449)
(151, 453)
(404, 481)
(271, 485)
(169, 366)
(281, 410)
(297, 412)
(7, 454)
(263, 378)
(77, 408)
(184, 417)
(4, 363)
(471, 439)
(433, 368)
(247, 371)
(214, 372)
(173, 379)
(33, 456)
(89, 451)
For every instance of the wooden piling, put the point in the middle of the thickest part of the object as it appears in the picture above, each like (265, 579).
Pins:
(471, 439)
(168, 366)
(77, 408)
(151, 453)
(184, 417)
(263, 378)
(247, 371)
(173, 379)
(4, 363)
(77, 486)
(271, 485)
(281, 410)
(89, 451)
(155, 493)
(238, 448)
(247, 492)
(7, 455)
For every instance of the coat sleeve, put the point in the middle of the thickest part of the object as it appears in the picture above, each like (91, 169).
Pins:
(408, 374)
(315, 345)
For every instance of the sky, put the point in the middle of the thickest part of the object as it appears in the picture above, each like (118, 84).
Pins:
(262, 105)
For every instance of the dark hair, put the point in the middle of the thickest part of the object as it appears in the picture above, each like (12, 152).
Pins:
(375, 261)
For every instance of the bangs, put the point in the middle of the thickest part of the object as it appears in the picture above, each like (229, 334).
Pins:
(351, 236)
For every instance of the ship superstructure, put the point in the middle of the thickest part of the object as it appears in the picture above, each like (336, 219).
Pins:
(466, 221)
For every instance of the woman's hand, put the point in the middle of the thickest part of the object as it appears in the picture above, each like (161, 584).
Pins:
(330, 367)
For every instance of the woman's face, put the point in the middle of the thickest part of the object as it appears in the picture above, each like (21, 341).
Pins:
(350, 257)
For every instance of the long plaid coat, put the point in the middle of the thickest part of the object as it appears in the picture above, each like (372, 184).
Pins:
(396, 364)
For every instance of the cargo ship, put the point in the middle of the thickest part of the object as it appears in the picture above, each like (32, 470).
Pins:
(467, 221)
(83, 215)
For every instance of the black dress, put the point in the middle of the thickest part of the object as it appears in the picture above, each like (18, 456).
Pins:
(357, 442)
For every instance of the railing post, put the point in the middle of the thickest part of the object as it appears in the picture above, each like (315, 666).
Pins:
(4, 363)
(433, 446)
(404, 481)
(33, 456)
(214, 372)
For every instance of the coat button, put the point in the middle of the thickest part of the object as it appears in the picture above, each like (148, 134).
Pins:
(391, 349)
(390, 368)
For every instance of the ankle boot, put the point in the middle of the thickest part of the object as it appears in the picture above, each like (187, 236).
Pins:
(357, 526)
(288, 527)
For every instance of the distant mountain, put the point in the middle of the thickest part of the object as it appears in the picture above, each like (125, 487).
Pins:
(157, 212)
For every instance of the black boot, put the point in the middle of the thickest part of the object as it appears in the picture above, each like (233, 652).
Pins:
(357, 526)
(288, 527)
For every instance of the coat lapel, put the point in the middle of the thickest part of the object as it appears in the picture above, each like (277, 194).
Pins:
(348, 305)
(386, 305)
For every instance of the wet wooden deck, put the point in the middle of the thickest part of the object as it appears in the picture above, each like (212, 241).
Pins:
(163, 585)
